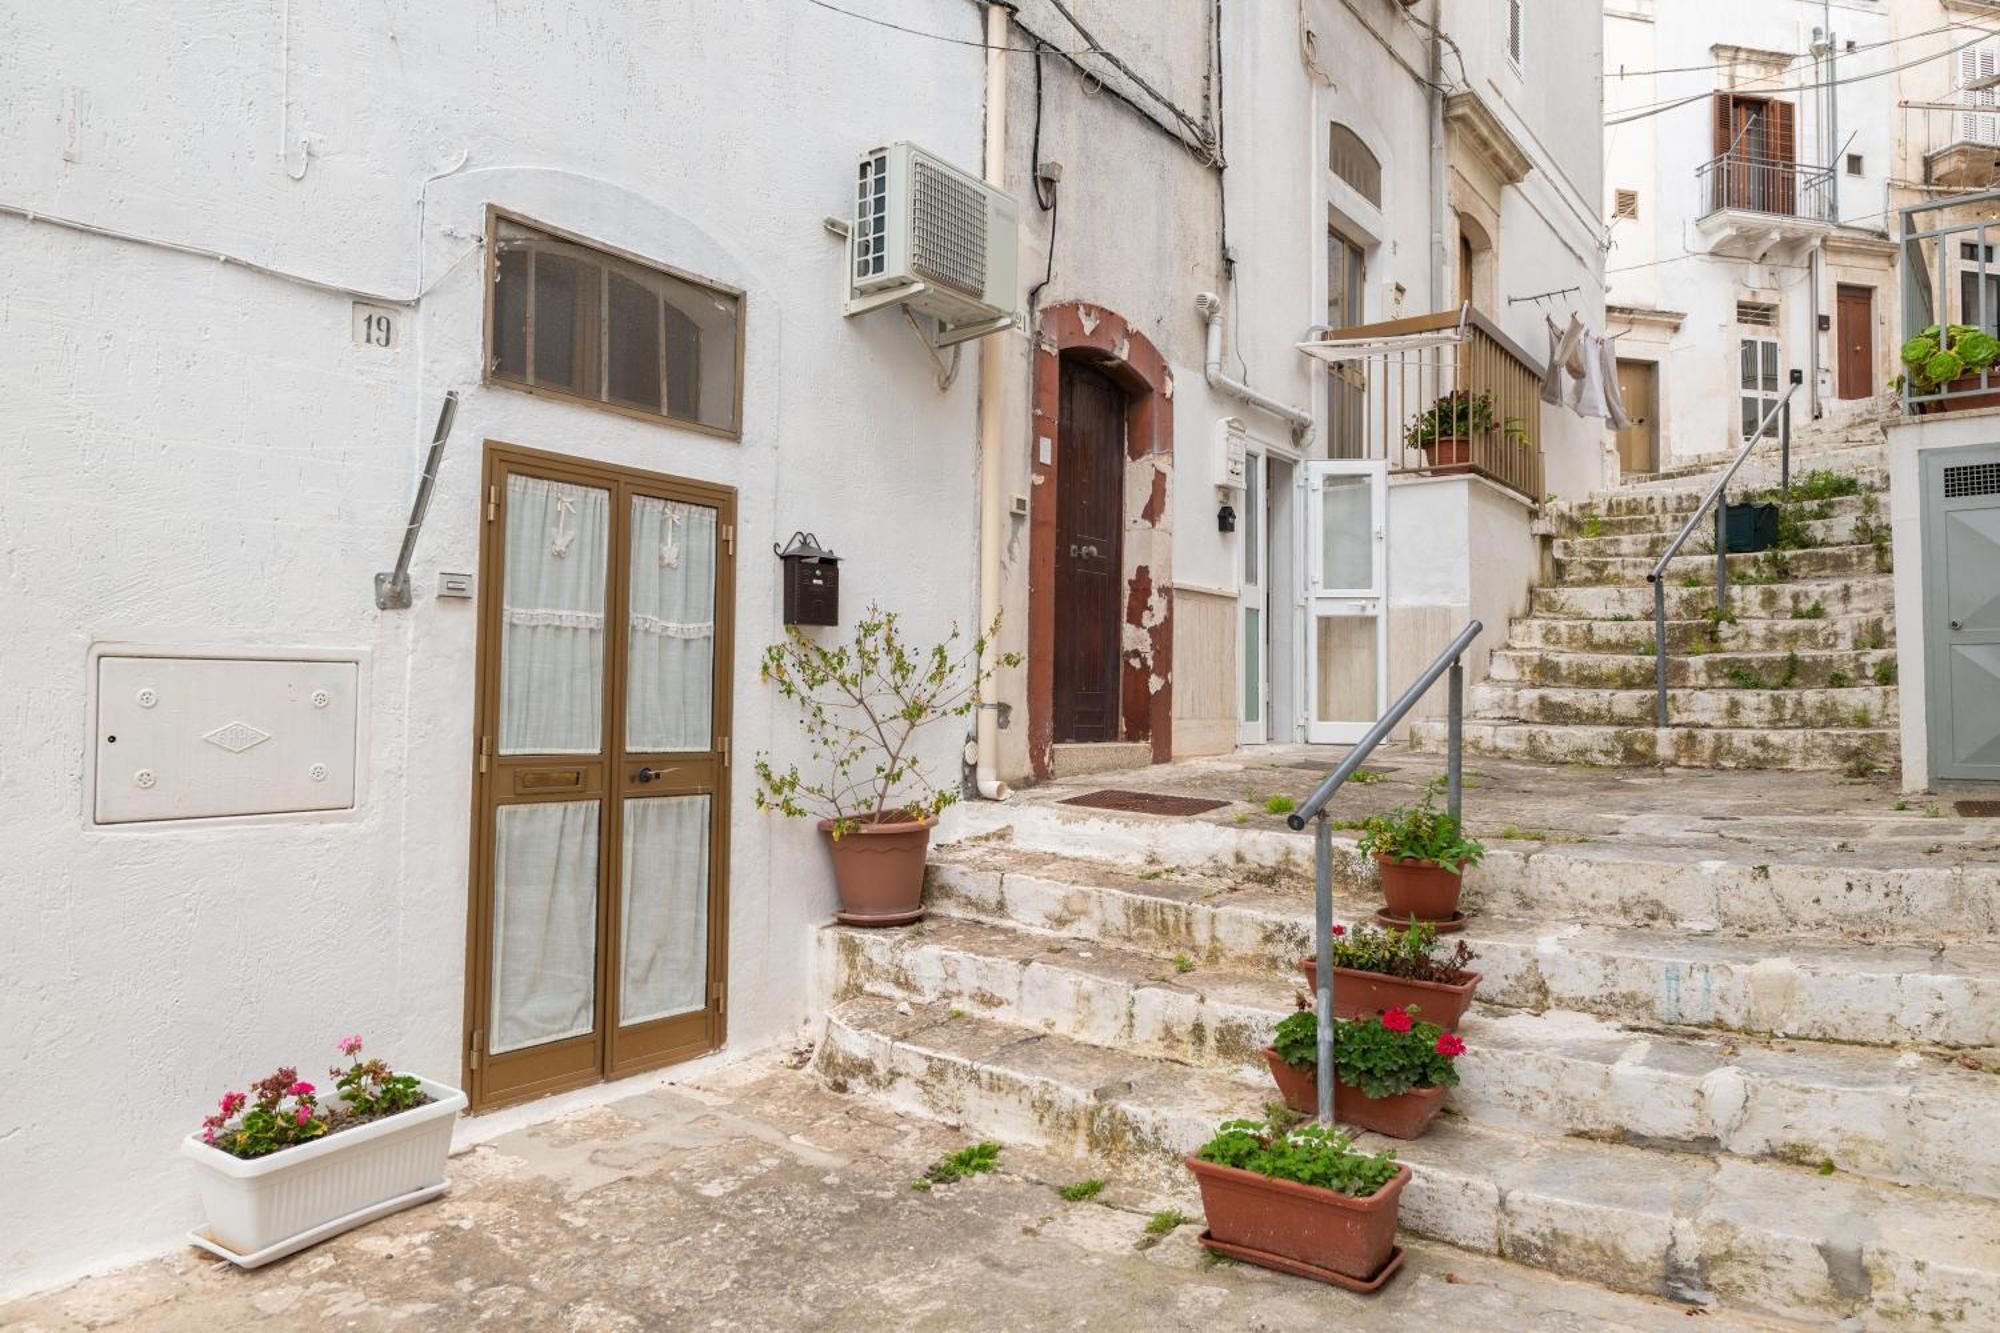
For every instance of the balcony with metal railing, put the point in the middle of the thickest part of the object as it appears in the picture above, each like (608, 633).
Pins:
(1749, 204)
(1440, 394)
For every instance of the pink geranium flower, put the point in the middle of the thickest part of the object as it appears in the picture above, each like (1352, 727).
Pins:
(303, 1114)
(351, 1046)
(300, 1089)
(1450, 1043)
(1396, 1020)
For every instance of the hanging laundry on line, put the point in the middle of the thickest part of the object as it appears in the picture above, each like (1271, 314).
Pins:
(1582, 374)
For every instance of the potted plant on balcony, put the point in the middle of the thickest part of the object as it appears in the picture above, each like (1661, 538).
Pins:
(1444, 430)
(279, 1169)
(1375, 970)
(862, 705)
(1950, 360)
(1422, 853)
(1302, 1201)
(1390, 1070)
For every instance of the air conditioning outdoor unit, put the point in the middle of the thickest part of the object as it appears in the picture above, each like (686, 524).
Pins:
(927, 235)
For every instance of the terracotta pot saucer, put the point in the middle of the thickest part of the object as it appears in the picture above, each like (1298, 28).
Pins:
(1444, 926)
(1297, 1268)
(885, 919)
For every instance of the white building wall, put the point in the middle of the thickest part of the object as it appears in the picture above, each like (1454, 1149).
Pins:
(198, 454)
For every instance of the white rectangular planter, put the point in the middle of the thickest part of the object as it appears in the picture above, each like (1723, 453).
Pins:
(263, 1208)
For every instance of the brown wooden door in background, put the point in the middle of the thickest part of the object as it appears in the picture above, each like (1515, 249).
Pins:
(1090, 490)
(1639, 443)
(1854, 327)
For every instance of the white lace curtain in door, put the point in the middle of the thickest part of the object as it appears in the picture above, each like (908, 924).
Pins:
(552, 632)
(664, 970)
(670, 666)
(544, 922)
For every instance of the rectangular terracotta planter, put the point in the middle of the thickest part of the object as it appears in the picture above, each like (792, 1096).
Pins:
(1366, 994)
(1404, 1116)
(1258, 1217)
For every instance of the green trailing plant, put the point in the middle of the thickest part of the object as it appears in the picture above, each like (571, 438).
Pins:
(1308, 1154)
(1416, 954)
(863, 704)
(1937, 356)
(1421, 832)
(1457, 415)
(1383, 1056)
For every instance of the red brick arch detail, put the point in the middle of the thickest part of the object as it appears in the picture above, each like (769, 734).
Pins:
(1146, 692)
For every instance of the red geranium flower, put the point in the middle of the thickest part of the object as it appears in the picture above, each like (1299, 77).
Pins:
(1450, 1043)
(1396, 1020)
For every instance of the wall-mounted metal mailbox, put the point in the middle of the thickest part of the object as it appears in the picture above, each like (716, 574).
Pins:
(812, 581)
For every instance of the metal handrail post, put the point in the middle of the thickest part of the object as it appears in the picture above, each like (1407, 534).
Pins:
(1722, 553)
(1785, 449)
(1454, 752)
(1323, 957)
(1660, 647)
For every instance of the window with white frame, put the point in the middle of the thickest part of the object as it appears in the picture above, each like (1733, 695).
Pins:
(1515, 38)
(1758, 382)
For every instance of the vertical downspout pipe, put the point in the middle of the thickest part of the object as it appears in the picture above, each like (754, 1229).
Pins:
(1439, 201)
(992, 427)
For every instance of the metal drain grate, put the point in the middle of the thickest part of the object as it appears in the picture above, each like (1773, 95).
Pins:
(1977, 809)
(1145, 802)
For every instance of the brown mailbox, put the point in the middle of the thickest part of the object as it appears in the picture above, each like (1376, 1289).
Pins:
(812, 581)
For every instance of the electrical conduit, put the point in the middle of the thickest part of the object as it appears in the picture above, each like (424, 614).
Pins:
(992, 427)
(1209, 306)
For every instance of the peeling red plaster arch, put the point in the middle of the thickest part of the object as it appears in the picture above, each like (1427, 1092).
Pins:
(1145, 670)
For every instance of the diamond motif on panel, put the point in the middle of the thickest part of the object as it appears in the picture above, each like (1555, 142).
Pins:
(236, 737)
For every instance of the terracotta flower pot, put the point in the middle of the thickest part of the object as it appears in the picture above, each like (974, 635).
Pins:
(1404, 1116)
(1450, 453)
(1365, 994)
(1963, 384)
(879, 868)
(1419, 890)
(1294, 1227)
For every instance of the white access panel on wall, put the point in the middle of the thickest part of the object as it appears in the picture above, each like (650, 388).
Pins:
(214, 737)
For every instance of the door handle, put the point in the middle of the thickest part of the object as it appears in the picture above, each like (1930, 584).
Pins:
(1957, 625)
(646, 775)
(1089, 552)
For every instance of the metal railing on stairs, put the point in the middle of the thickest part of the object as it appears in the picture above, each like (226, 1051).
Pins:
(1780, 414)
(1314, 808)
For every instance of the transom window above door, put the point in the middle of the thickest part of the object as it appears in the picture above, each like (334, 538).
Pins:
(574, 320)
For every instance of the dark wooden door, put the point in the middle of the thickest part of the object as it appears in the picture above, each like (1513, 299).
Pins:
(1854, 326)
(1090, 487)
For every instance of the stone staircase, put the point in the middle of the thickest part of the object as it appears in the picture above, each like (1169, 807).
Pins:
(1802, 673)
(1758, 1085)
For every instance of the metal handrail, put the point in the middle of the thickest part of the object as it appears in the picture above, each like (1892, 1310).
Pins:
(1780, 412)
(1315, 809)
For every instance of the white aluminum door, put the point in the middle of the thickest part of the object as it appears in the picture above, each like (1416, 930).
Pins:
(1253, 607)
(1347, 593)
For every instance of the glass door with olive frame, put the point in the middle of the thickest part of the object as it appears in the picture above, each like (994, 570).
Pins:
(600, 844)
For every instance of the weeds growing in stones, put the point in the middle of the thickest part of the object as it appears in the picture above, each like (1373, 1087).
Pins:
(1081, 1191)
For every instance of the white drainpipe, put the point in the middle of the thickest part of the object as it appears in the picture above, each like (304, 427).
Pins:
(1209, 306)
(992, 427)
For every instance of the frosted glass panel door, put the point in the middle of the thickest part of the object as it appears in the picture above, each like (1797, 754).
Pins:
(600, 775)
(1346, 547)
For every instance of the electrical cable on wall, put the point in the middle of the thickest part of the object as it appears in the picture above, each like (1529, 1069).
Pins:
(1048, 202)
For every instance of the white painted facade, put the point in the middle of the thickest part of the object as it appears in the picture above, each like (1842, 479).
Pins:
(205, 459)
(1693, 268)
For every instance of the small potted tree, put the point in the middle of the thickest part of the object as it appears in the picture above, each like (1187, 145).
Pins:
(862, 705)
(1422, 853)
(1376, 970)
(1445, 429)
(279, 1168)
(1390, 1070)
(1302, 1201)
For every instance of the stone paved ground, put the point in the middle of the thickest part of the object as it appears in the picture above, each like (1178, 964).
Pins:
(1665, 813)
(754, 1198)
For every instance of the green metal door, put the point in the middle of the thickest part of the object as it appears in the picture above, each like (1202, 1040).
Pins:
(1962, 610)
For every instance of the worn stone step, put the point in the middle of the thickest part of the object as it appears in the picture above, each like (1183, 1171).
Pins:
(1857, 707)
(1855, 529)
(1873, 749)
(1873, 594)
(1906, 1117)
(1712, 669)
(1755, 1235)
(1819, 562)
(1760, 473)
(1625, 636)
(1847, 455)
(1661, 516)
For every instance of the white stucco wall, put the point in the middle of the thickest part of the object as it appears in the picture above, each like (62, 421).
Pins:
(199, 455)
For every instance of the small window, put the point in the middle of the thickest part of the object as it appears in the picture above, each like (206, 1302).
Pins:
(1515, 20)
(1854, 164)
(571, 319)
(1761, 314)
(1625, 204)
(1348, 158)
